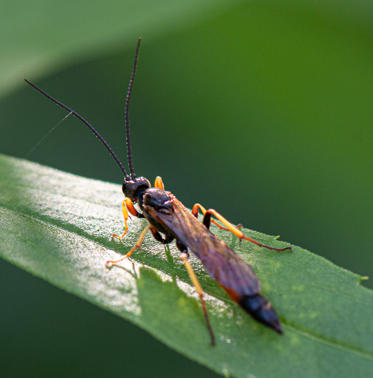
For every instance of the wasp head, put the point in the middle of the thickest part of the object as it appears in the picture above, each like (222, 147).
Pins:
(133, 188)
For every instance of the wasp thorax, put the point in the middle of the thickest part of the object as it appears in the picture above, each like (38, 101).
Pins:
(159, 200)
(134, 187)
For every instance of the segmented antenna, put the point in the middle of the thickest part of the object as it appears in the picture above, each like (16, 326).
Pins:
(77, 115)
(126, 112)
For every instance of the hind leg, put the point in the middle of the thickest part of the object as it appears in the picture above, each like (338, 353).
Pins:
(207, 219)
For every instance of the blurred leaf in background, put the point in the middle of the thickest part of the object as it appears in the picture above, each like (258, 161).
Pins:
(258, 109)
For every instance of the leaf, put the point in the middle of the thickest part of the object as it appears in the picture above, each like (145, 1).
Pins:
(57, 226)
(48, 34)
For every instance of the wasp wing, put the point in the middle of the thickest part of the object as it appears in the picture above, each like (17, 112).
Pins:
(221, 262)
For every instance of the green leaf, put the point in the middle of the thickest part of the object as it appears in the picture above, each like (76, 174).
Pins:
(57, 226)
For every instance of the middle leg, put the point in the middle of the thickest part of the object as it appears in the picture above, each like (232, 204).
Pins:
(158, 183)
(184, 258)
(157, 236)
(109, 264)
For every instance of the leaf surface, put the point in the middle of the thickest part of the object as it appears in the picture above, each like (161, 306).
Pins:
(57, 226)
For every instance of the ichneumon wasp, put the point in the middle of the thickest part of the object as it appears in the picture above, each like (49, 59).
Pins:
(170, 220)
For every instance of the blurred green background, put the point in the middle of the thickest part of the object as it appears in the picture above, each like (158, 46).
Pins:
(260, 110)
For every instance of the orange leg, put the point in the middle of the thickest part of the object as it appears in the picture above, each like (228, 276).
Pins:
(159, 183)
(110, 263)
(125, 216)
(126, 204)
(235, 230)
(131, 207)
(197, 207)
(197, 285)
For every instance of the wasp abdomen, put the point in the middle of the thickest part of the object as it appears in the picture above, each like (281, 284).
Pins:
(261, 310)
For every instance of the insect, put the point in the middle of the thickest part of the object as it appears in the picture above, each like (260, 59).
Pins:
(169, 220)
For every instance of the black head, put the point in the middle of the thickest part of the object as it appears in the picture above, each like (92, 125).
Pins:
(134, 188)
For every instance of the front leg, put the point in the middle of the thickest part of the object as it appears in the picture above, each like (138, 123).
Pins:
(131, 208)
(125, 216)
(127, 205)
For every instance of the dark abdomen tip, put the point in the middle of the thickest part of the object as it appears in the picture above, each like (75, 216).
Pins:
(261, 310)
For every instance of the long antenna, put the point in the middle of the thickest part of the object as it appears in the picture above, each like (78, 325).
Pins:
(46, 135)
(77, 115)
(126, 112)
